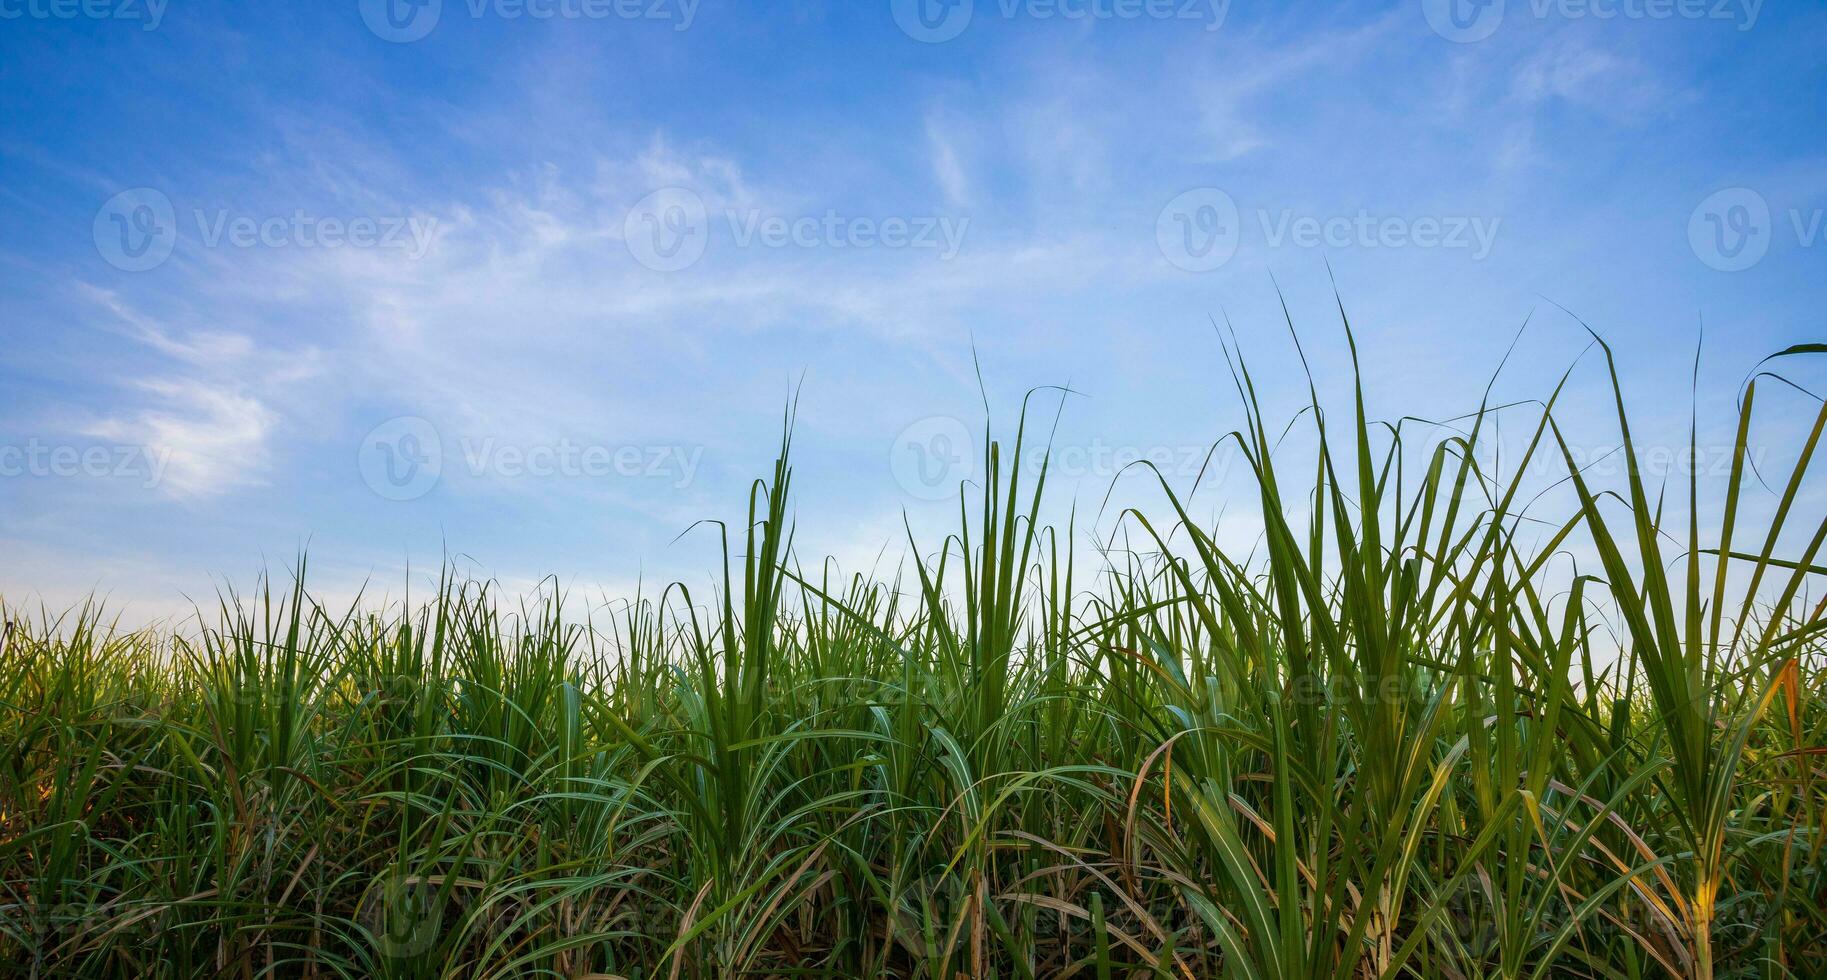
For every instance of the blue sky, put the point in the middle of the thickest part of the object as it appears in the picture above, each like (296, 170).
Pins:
(529, 283)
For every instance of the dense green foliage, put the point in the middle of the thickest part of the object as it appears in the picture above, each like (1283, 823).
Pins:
(1408, 735)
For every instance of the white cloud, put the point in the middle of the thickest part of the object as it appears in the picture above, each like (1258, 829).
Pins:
(210, 440)
(1222, 89)
(948, 168)
(1597, 79)
(206, 433)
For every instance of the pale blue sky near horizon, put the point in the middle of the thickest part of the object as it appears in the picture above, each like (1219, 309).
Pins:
(529, 283)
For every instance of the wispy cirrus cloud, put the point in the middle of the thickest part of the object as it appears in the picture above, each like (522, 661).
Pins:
(210, 439)
(196, 411)
(527, 320)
